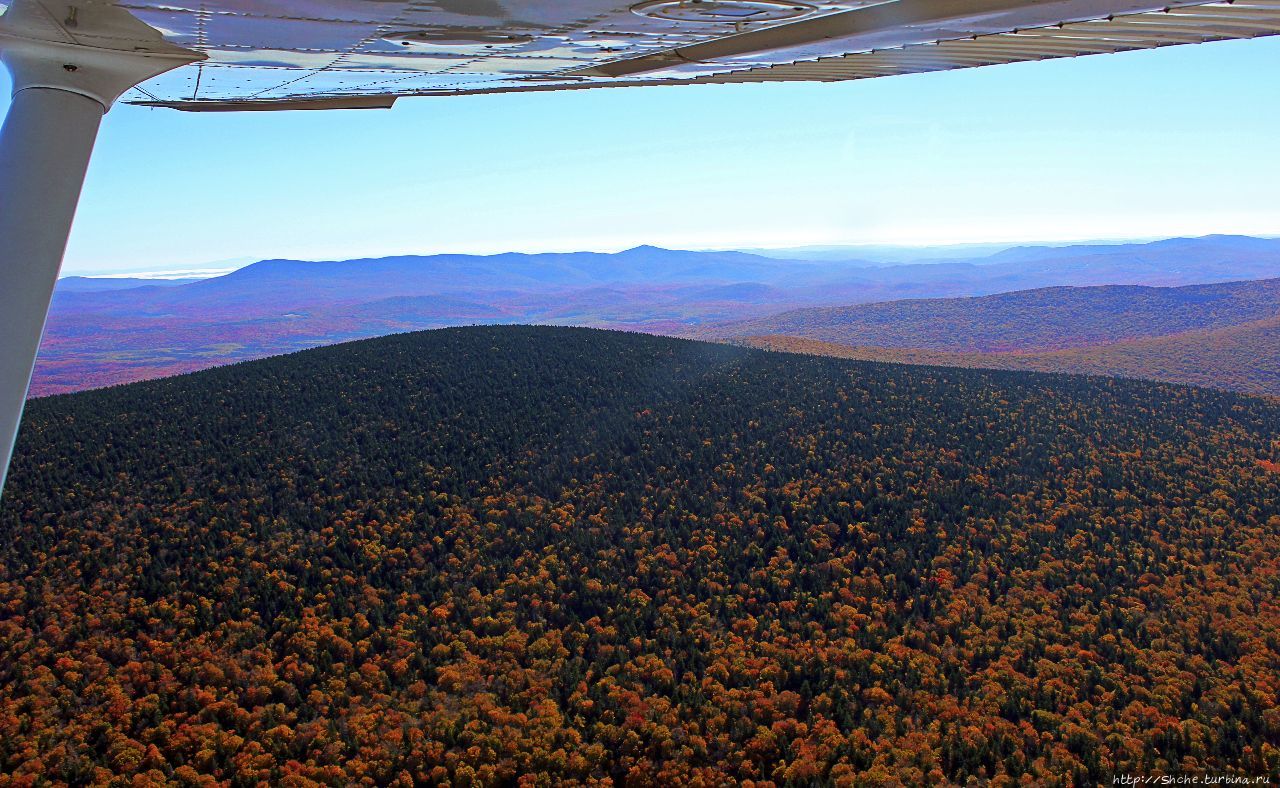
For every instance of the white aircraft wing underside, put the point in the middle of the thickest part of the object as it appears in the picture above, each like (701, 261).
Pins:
(302, 54)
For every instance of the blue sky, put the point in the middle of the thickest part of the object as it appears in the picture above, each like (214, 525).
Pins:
(1178, 141)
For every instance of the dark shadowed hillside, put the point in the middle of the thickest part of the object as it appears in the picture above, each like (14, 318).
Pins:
(474, 555)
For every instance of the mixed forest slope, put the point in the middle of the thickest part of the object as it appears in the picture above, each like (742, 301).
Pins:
(1044, 319)
(1242, 358)
(474, 554)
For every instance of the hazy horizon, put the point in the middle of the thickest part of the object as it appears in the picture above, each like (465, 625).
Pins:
(875, 252)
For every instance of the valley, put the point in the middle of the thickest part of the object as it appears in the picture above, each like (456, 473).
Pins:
(108, 331)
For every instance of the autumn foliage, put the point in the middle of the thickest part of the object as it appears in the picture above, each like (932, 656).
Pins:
(541, 556)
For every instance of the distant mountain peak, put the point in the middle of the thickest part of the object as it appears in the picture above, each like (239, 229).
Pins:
(645, 249)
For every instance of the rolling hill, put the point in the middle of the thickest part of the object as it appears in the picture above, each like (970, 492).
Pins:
(1223, 335)
(573, 556)
(1243, 358)
(1051, 318)
(102, 331)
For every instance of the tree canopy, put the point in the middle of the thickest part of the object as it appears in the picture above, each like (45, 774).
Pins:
(543, 555)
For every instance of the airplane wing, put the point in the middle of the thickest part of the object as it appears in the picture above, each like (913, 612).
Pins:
(331, 54)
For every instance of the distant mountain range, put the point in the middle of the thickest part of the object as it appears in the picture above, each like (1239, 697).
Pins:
(105, 331)
(887, 254)
(83, 284)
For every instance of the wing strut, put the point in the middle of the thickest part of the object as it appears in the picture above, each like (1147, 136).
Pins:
(67, 72)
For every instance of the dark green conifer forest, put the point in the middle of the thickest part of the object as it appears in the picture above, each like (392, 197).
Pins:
(540, 556)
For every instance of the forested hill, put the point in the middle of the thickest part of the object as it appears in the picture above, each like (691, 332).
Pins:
(474, 554)
(1237, 358)
(1051, 318)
